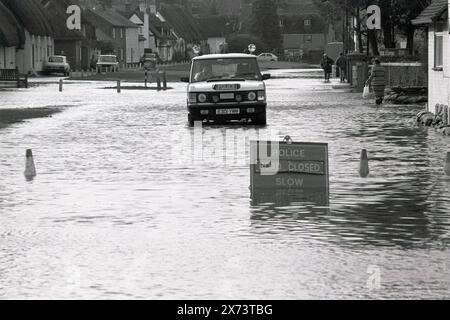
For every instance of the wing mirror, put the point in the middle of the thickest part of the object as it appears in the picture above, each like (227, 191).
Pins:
(184, 79)
(266, 76)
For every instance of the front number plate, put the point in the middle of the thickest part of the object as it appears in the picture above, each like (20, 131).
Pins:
(227, 111)
(225, 96)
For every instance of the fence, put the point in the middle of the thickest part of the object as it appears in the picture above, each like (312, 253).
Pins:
(399, 74)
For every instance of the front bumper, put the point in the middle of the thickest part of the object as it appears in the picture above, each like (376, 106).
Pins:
(55, 69)
(208, 111)
(106, 67)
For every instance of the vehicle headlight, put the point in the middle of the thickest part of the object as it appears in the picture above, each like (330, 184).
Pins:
(192, 98)
(251, 96)
(202, 97)
(261, 95)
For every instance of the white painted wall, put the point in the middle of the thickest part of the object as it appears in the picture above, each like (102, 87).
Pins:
(41, 46)
(7, 58)
(438, 81)
(132, 45)
(152, 44)
(146, 31)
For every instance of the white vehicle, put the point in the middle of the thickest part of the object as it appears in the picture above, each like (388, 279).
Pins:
(267, 57)
(226, 87)
(107, 63)
(57, 64)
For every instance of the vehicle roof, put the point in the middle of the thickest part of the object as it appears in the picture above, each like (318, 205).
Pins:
(107, 55)
(225, 56)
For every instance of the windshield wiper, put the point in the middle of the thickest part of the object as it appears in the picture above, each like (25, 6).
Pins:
(217, 79)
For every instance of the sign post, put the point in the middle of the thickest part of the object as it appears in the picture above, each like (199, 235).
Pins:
(302, 171)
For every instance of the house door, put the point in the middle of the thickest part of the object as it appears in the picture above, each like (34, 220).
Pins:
(4, 58)
(33, 55)
(85, 59)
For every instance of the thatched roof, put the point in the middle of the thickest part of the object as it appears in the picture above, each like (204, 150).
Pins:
(31, 15)
(155, 25)
(11, 32)
(112, 17)
(183, 23)
(431, 13)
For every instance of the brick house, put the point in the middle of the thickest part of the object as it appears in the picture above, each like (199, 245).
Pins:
(111, 27)
(79, 46)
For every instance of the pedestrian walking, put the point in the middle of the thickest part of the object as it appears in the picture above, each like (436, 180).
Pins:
(327, 66)
(341, 64)
(378, 81)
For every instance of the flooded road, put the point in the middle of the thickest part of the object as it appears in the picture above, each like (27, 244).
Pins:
(120, 210)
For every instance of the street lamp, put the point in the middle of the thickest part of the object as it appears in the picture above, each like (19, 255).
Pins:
(251, 48)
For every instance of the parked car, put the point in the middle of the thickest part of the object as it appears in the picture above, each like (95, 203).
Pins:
(107, 62)
(226, 87)
(266, 57)
(57, 64)
(149, 61)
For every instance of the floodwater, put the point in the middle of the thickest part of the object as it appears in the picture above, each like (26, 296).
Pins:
(121, 208)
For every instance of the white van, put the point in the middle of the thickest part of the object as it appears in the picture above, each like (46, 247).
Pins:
(226, 87)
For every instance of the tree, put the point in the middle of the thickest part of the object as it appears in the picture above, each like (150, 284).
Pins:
(105, 47)
(239, 43)
(404, 11)
(396, 16)
(265, 24)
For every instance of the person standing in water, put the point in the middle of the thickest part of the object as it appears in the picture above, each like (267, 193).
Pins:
(378, 81)
(327, 66)
(341, 63)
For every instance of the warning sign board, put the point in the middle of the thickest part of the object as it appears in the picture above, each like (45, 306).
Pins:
(299, 167)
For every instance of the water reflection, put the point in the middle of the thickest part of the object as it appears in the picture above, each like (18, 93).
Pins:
(410, 217)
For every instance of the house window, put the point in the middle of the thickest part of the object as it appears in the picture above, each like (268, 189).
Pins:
(307, 38)
(439, 51)
(307, 22)
(114, 33)
(121, 33)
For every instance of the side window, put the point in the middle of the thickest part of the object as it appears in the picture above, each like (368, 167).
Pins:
(439, 51)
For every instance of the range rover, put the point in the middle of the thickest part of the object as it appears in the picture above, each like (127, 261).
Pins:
(226, 87)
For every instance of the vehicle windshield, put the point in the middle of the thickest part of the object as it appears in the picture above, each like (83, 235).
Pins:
(107, 59)
(225, 69)
(56, 59)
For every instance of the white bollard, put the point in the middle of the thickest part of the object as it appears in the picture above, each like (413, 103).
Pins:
(30, 169)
